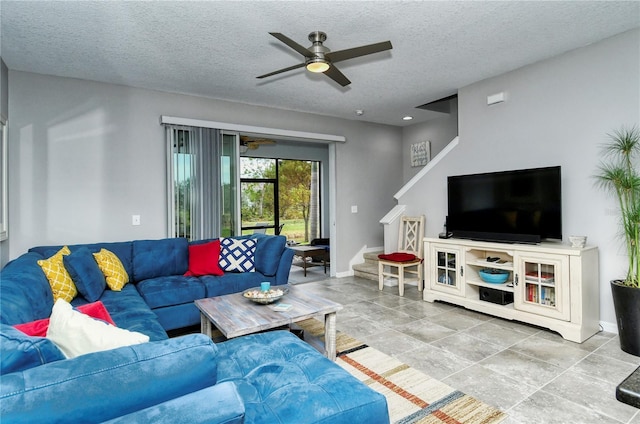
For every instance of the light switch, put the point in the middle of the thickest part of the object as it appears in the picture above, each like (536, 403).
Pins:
(354, 209)
(135, 219)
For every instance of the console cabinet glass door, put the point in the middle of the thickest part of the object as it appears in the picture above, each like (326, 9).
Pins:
(447, 272)
(542, 285)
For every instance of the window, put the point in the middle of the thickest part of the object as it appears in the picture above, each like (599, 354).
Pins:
(4, 225)
(281, 196)
(259, 195)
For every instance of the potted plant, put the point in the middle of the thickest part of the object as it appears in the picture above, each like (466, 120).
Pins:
(618, 174)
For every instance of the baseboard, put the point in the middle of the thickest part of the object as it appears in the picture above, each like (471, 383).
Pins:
(609, 327)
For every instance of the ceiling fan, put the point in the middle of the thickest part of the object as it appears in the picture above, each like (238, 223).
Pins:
(320, 59)
(253, 143)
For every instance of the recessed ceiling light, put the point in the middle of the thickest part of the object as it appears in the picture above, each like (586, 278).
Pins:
(407, 118)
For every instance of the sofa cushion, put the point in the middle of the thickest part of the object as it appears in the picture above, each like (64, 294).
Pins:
(172, 290)
(268, 253)
(85, 273)
(232, 282)
(20, 351)
(129, 310)
(39, 327)
(237, 254)
(59, 279)
(77, 334)
(114, 272)
(105, 385)
(178, 316)
(276, 373)
(25, 294)
(158, 258)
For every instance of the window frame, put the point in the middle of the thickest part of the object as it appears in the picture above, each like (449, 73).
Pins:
(4, 186)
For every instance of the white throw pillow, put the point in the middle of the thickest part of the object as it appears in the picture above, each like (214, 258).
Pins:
(77, 334)
(237, 254)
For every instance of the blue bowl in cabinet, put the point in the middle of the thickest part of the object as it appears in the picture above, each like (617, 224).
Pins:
(494, 276)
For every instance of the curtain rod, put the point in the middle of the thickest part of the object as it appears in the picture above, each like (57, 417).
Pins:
(173, 120)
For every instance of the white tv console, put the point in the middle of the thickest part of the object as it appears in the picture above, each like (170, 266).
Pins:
(551, 285)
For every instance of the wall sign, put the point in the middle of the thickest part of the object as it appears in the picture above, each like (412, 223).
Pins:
(420, 153)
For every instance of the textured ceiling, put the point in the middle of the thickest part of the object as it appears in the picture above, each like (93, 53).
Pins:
(217, 48)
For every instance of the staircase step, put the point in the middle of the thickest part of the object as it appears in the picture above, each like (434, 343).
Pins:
(369, 268)
(366, 270)
(372, 256)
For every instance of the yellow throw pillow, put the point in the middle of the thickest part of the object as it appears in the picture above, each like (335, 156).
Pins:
(112, 268)
(59, 279)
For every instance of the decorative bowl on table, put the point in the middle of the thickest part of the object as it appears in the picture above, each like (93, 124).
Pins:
(494, 276)
(265, 297)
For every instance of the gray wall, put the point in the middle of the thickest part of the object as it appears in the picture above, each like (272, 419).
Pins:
(85, 156)
(557, 112)
(439, 131)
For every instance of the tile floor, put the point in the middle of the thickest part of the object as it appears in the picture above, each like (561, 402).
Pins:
(314, 273)
(531, 373)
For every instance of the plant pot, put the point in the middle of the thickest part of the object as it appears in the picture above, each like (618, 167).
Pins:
(626, 302)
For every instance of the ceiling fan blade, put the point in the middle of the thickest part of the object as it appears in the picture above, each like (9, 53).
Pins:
(339, 55)
(290, 68)
(337, 76)
(295, 46)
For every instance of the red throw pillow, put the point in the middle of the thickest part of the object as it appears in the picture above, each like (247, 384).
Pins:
(397, 257)
(39, 328)
(203, 259)
(96, 310)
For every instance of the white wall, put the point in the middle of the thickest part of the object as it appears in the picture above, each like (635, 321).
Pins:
(85, 156)
(557, 112)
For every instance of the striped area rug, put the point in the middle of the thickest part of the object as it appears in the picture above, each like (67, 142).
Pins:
(412, 396)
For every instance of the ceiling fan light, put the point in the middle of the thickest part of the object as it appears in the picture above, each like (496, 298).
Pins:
(317, 65)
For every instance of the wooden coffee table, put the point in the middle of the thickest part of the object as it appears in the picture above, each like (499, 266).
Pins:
(235, 316)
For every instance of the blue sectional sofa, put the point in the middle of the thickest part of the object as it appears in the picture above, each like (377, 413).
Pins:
(156, 269)
(262, 378)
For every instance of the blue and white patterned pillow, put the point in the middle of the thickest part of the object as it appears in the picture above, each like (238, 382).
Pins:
(237, 254)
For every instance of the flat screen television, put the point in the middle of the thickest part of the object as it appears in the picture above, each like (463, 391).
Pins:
(520, 206)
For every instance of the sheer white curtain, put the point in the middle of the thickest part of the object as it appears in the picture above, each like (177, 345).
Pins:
(193, 182)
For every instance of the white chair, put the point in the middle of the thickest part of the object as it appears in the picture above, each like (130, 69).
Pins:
(408, 258)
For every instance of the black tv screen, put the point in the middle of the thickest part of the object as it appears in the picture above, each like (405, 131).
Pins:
(522, 206)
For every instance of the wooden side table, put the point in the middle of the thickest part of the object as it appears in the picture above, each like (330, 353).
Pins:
(309, 252)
